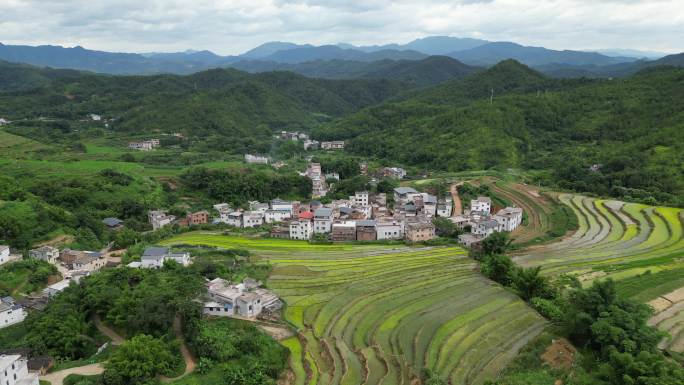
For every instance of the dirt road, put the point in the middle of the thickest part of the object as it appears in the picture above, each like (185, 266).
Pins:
(57, 378)
(458, 206)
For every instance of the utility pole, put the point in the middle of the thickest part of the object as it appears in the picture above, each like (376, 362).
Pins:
(491, 98)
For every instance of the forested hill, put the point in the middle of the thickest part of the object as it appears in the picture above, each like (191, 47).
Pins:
(632, 129)
(227, 101)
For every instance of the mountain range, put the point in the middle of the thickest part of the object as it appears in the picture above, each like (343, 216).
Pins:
(344, 61)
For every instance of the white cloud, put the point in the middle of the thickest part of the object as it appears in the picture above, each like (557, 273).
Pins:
(233, 26)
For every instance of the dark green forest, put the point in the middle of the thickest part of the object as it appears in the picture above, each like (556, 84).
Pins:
(631, 130)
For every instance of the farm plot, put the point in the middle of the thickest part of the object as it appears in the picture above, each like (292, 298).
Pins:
(380, 314)
(640, 247)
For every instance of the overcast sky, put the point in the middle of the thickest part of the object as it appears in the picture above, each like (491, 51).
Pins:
(234, 26)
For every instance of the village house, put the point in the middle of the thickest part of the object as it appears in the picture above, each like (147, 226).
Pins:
(509, 218)
(113, 223)
(332, 175)
(485, 228)
(256, 159)
(198, 218)
(234, 219)
(420, 231)
(155, 257)
(303, 227)
(401, 195)
(366, 230)
(281, 230)
(14, 371)
(389, 230)
(159, 219)
(343, 231)
(56, 288)
(468, 240)
(4, 254)
(483, 204)
(445, 208)
(89, 261)
(10, 312)
(45, 253)
(323, 220)
(333, 145)
(245, 299)
(311, 145)
(223, 210)
(252, 219)
(258, 206)
(279, 215)
(360, 198)
(145, 145)
(278, 204)
(4, 121)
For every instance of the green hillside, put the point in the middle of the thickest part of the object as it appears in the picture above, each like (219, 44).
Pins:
(228, 104)
(632, 129)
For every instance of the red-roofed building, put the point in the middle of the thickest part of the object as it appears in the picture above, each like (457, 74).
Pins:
(306, 215)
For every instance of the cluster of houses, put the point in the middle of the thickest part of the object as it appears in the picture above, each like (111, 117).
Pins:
(247, 299)
(361, 217)
(145, 145)
(319, 186)
(482, 223)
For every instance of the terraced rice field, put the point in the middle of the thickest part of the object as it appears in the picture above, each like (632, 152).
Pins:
(639, 246)
(380, 314)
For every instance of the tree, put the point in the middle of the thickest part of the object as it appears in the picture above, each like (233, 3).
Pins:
(497, 243)
(498, 268)
(445, 228)
(530, 284)
(139, 361)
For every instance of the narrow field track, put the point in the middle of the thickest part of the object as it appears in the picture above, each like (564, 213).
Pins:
(380, 314)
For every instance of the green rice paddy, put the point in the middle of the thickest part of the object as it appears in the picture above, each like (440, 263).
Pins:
(378, 314)
(640, 247)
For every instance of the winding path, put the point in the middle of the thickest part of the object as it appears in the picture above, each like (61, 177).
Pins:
(190, 362)
(107, 331)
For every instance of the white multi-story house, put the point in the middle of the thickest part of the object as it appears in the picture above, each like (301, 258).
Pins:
(302, 228)
(45, 253)
(154, 257)
(361, 198)
(159, 219)
(483, 204)
(252, 219)
(14, 371)
(10, 312)
(245, 299)
(323, 220)
(223, 210)
(278, 215)
(390, 230)
(5, 254)
(445, 208)
(278, 204)
(234, 219)
(485, 228)
(429, 205)
(509, 218)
